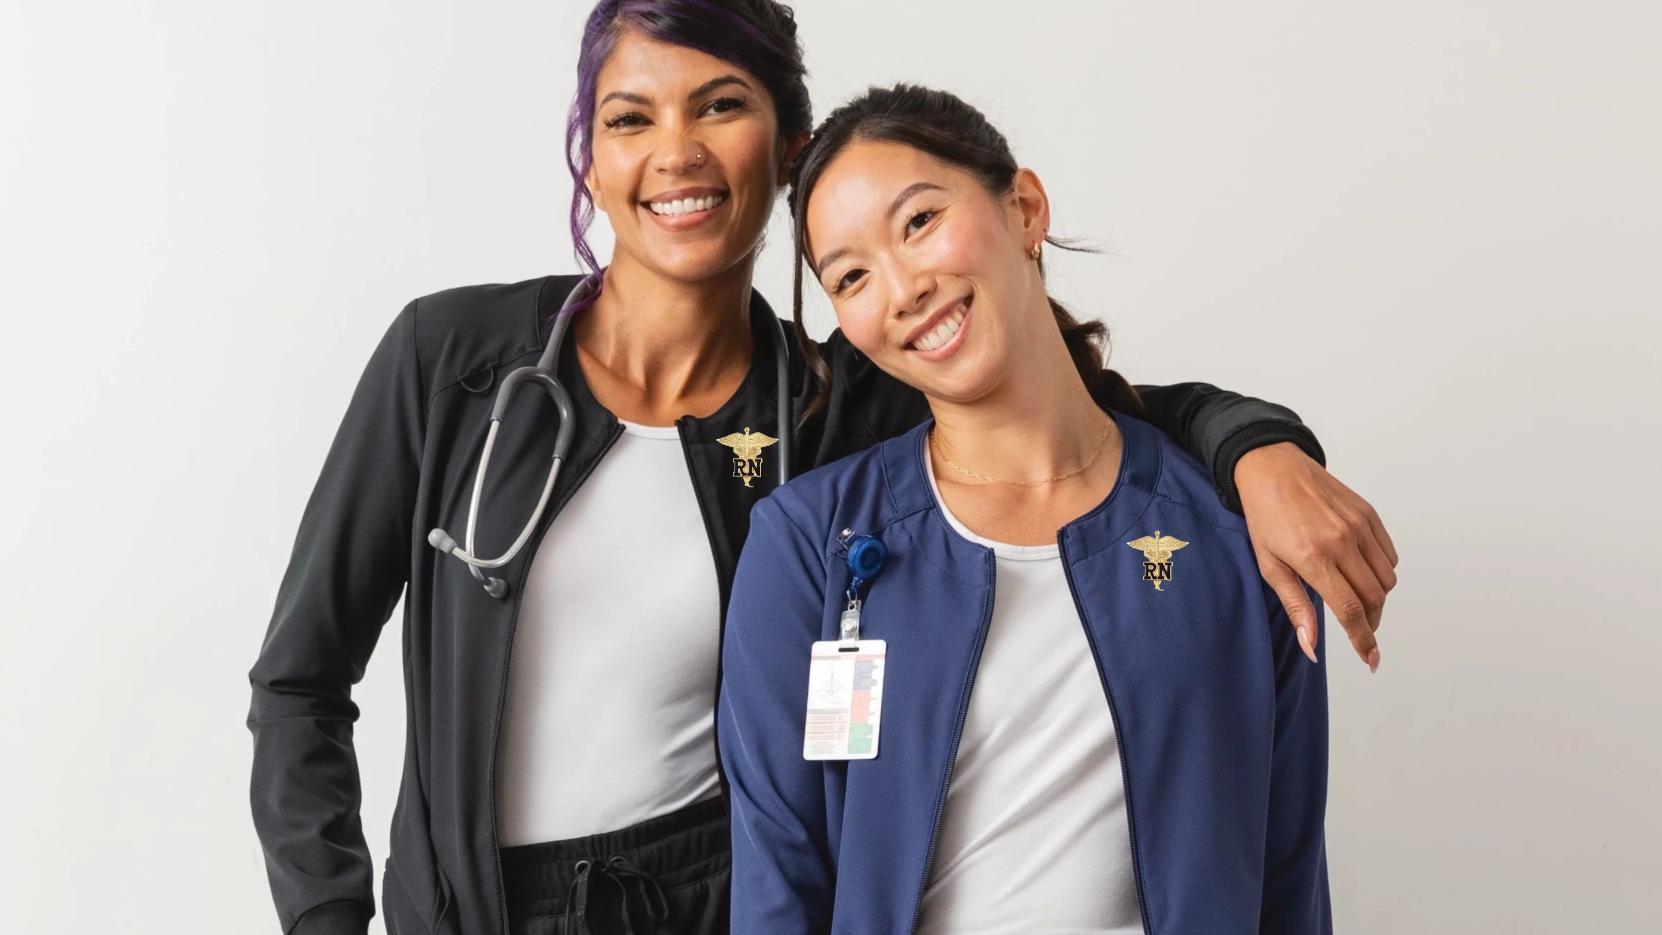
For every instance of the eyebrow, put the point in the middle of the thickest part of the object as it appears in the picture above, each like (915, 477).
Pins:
(908, 192)
(695, 93)
(900, 199)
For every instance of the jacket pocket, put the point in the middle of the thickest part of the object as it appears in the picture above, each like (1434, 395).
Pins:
(395, 905)
(411, 909)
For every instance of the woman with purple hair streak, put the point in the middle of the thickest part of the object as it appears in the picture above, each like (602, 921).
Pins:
(574, 786)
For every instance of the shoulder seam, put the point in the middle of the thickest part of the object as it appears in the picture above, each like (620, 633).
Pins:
(778, 507)
(1157, 489)
(415, 351)
(518, 351)
(1202, 514)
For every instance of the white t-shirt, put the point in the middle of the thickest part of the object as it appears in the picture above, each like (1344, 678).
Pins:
(610, 715)
(1035, 836)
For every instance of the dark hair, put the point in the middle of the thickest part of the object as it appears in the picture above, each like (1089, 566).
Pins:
(949, 129)
(759, 36)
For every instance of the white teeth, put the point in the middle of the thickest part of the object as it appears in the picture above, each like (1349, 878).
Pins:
(680, 206)
(942, 332)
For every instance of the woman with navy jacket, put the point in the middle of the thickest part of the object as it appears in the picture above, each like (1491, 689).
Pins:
(1049, 691)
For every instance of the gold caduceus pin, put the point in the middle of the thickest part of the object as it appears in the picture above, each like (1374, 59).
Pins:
(747, 452)
(1157, 550)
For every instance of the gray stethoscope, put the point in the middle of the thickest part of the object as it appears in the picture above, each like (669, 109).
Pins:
(543, 374)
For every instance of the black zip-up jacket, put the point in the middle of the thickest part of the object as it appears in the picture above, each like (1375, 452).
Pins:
(403, 463)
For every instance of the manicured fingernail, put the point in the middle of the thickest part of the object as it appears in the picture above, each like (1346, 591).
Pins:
(1373, 659)
(1304, 643)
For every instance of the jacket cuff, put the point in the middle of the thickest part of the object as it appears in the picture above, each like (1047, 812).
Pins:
(342, 917)
(1257, 435)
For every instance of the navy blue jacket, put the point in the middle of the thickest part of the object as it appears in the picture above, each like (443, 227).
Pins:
(1221, 721)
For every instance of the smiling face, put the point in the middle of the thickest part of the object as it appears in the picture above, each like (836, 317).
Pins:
(928, 271)
(687, 158)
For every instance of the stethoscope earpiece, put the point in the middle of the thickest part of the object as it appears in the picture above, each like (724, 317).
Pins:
(441, 540)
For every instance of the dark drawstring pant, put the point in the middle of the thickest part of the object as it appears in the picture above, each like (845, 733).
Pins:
(665, 876)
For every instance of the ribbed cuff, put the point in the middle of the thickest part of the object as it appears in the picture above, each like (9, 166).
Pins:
(1257, 435)
(342, 917)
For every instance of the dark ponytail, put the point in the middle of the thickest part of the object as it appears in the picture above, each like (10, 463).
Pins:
(949, 129)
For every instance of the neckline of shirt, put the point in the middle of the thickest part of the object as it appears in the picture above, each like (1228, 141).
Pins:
(659, 432)
(1005, 550)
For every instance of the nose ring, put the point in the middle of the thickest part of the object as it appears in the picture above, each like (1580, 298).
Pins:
(698, 158)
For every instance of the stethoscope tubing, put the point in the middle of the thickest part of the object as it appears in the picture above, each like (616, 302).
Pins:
(542, 373)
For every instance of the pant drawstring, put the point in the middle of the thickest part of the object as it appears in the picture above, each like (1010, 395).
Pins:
(651, 894)
(577, 898)
(620, 872)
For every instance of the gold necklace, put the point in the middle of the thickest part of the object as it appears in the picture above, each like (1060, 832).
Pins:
(1107, 429)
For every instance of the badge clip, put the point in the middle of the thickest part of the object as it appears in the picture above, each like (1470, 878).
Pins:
(866, 555)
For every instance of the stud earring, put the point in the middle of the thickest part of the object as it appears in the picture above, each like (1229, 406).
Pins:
(1037, 249)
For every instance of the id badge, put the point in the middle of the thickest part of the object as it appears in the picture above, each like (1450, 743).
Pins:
(845, 700)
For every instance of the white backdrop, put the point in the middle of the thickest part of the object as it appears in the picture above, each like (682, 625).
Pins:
(1429, 226)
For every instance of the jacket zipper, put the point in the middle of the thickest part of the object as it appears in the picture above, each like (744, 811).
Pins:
(704, 514)
(502, 692)
(957, 737)
(1119, 741)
